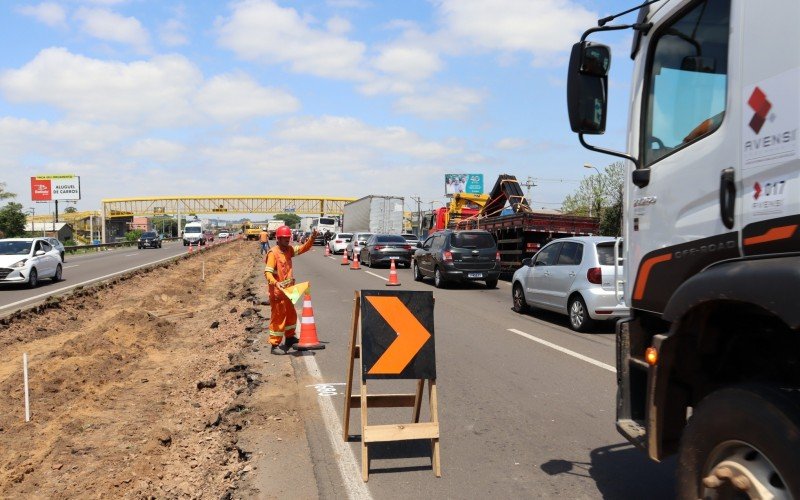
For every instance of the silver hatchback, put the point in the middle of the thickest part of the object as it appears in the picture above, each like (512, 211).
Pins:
(574, 276)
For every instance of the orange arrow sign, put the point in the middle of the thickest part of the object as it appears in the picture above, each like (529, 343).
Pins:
(411, 336)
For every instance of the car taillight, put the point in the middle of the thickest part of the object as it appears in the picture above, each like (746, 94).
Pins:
(595, 275)
(379, 247)
(339, 241)
(497, 256)
(447, 256)
(406, 247)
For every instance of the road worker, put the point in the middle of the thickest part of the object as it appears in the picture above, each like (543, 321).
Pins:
(264, 239)
(278, 270)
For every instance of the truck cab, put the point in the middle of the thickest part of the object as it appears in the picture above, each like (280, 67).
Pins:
(709, 361)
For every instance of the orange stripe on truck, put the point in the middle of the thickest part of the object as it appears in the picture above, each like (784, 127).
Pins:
(774, 234)
(644, 273)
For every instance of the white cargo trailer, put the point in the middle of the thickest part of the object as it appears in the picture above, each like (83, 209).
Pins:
(374, 214)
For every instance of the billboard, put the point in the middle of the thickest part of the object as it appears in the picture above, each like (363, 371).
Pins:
(55, 187)
(463, 183)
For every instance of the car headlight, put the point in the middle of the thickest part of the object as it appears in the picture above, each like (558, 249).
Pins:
(18, 265)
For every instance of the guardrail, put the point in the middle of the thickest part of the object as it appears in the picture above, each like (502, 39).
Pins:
(101, 246)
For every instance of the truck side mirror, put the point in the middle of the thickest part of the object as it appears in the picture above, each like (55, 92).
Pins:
(587, 87)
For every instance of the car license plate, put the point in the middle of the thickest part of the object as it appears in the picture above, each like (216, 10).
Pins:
(475, 275)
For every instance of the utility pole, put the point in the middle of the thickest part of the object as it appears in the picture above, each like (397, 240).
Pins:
(419, 215)
(529, 184)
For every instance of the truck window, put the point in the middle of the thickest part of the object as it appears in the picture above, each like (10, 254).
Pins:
(686, 80)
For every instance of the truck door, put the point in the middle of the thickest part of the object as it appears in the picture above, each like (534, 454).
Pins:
(770, 101)
(684, 218)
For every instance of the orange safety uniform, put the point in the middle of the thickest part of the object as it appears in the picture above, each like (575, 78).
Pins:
(263, 237)
(283, 318)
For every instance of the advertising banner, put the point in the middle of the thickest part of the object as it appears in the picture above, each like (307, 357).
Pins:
(55, 187)
(463, 183)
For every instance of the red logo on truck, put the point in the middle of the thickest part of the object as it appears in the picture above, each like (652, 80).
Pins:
(756, 190)
(758, 101)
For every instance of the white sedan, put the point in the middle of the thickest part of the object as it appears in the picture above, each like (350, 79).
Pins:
(223, 235)
(339, 242)
(27, 260)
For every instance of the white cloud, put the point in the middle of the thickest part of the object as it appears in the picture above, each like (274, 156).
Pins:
(348, 4)
(509, 143)
(51, 14)
(444, 103)
(262, 31)
(408, 62)
(338, 25)
(235, 97)
(20, 137)
(543, 28)
(112, 27)
(173, 33)
(353, 132)
(156, 149)
(155, 92)
(163, 91)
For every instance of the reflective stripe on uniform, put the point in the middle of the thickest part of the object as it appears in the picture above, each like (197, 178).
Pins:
(268, 269)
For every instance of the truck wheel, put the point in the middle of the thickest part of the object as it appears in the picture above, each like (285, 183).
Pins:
(438, 279)
(742, 442)
(520, 305)
(415, 271)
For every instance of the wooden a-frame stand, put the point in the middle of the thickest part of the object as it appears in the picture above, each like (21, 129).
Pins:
(391, 432)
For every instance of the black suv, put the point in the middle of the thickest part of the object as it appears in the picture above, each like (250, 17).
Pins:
(457, 256)
(149, 239)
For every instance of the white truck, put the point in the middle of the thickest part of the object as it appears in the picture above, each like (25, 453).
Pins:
(374, 214)
(708, 364)
(273, 225)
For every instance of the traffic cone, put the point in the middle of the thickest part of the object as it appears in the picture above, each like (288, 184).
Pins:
(308, 329)
(327, 251)
(355, 264)
(190, 248)
(392, 276)
(345, 260)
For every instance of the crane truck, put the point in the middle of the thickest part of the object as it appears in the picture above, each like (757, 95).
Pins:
(708, 364)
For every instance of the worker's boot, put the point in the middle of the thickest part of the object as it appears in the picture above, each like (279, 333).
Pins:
(288, 343)
(273, 348)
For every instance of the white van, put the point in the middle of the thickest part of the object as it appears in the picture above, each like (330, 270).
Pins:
(193, 234)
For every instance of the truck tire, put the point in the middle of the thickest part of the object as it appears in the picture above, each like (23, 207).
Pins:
(755, 431)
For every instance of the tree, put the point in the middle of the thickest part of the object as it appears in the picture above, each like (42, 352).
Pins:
(291, 220)
(70, 210)
(597, 194)
(12, 220)
(4, 195)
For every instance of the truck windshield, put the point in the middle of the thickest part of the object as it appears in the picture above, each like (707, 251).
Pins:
(325, 221)
(192, 229)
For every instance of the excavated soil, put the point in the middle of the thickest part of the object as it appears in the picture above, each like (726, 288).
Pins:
(155, 385)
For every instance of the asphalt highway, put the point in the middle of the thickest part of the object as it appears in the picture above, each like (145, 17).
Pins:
(526, 406)
(83, 269)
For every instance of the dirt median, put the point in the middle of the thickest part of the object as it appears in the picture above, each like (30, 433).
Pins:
(157, 385)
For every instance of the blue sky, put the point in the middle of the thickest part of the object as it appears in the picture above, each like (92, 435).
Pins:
(326, 97)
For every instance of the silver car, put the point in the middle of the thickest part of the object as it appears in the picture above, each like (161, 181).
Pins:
(573, 276)
(55, 243)
(339, 242)
(356, 242)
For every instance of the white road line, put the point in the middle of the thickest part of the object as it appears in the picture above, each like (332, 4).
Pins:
(377, 275)
(130, 254)
(74, 265)
(29, 299)
(348, 468)
(564, 350)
